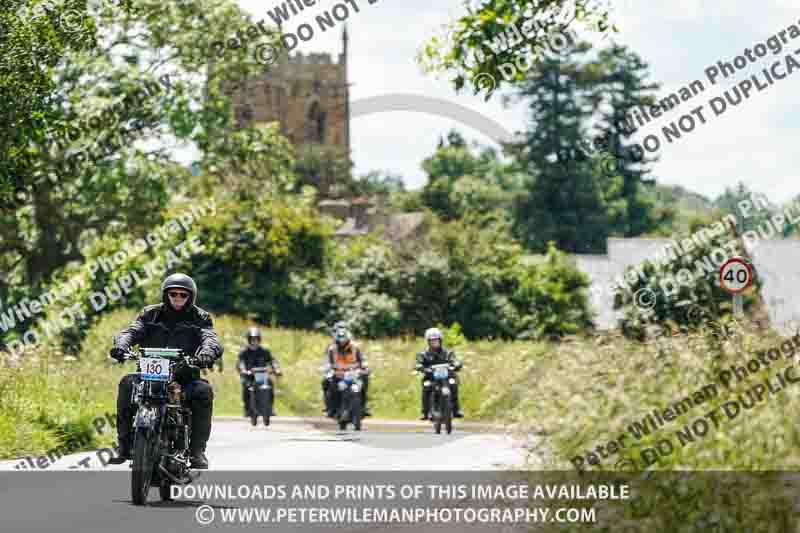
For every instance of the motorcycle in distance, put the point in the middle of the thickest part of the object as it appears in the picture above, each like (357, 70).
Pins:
(348, 397)
(162, 425)
(258, 390)
(441, 398)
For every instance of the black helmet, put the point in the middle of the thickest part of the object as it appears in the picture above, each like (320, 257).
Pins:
(253, 333)
(179, 281)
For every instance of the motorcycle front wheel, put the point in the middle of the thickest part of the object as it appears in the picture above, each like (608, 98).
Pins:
(447, 414)
(142, 467)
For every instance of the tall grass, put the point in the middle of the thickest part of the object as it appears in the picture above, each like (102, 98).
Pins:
(579, 394)
(46, 400)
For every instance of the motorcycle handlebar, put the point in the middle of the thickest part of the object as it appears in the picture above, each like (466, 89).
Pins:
(130, 355)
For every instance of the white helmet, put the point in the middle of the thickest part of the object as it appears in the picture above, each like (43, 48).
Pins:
(432, 334)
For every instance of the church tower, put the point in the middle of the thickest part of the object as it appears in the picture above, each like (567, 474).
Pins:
(308, 96)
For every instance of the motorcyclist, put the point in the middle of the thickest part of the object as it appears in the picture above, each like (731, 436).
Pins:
(435, 354)
(254, 355)
(327, 373)
(339, 354)
(174, 323)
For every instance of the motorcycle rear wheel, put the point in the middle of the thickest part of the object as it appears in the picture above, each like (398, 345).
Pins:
(142, 467)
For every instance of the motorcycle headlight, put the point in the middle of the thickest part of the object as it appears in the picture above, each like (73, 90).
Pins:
(356, 388)
(342, 385)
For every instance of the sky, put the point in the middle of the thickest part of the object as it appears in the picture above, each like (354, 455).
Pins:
(754, 142)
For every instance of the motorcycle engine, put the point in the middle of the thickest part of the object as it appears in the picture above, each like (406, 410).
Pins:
(176, 466)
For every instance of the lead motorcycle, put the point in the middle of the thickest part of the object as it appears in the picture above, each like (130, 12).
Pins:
(162, 424)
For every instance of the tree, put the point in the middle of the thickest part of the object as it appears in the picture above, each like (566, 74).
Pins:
(33, 39)
(461, 51)
(619, 87)
(94, 157)
(461, 181)
(564, 200)
(751, 218)
(326, 168)
(376, 182)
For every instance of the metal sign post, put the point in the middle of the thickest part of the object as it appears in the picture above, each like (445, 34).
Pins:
(738, 305)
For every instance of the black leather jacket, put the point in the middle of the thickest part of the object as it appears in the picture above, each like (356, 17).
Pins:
(189, 330)
(426, 358)
(257, 358)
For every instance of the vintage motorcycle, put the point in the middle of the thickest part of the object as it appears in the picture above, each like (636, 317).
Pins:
(258, 390)
(443, 375)
(161, 426)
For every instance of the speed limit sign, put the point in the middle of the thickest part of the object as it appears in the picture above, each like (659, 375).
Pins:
(735, 275)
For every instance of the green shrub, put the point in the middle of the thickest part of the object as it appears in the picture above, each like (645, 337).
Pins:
(551, 298)
(682, 306)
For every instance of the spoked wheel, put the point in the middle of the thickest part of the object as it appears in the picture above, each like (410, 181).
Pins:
(142, 466)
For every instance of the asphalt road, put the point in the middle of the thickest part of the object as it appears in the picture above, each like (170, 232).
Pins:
(79, 493)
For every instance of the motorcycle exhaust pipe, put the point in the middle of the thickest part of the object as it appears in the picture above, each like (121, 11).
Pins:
(191, 476)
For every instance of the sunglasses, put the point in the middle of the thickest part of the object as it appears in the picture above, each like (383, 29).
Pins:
(181, 295)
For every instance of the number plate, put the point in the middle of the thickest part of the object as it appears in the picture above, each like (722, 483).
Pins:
(441, 373)
(154, 369)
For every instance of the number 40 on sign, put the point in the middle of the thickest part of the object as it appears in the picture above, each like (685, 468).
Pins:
(735, 276)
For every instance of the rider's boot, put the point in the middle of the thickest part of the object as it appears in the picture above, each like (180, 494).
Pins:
(330, 401)
(201, 399)
(426, 403)
(199, 460)
(124, 420)
(364, 403)
(457, 405)
(123, 452)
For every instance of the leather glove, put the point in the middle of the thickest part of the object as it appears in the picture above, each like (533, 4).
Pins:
(204, 360)
(187, 372)
(117, 353)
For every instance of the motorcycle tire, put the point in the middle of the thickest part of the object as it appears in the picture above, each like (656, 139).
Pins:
(142, 467)
(355, 411)
(342, 425)
(436, 414)
(447, 415)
